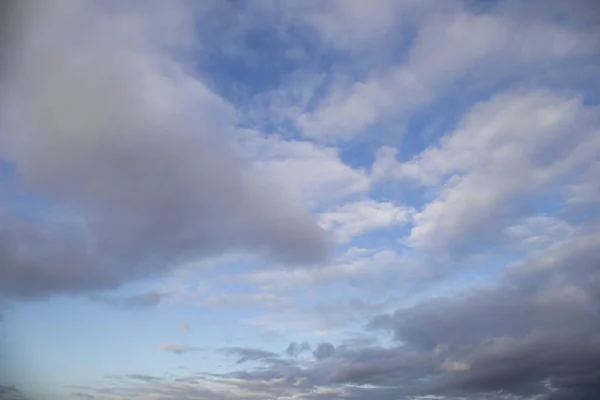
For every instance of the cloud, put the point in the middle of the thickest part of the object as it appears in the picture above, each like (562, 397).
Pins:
(121, 159)
(11, 393)
(295, 349)
(83, 395)
(352, 26)
(129, 152)
(144, 378)
(533, 334)
(354, 264)
(324, 350)
(314, 173)
(246, 354)
(444, 52)
(148, 299)
(177, 349)
(247, 300)
(492, 169)
(536, 329)
(355, 219)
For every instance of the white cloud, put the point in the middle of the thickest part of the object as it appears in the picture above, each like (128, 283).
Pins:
(493, 165)
(586, 190)
(445, 49)
(354, 219)
(539, 230)
(354, 263)
(312, 172)
(348, 24)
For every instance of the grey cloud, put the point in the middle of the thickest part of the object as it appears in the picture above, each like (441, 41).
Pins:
(324, 350)
(295, 349)
(148, 299)
(177, 349)
(145, 378)
(537, 329)
(246, 354)
(11, 393)
(129, 156)
(83, 395)
(533, 334)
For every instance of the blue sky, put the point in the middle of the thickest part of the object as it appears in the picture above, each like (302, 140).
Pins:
(336, 199)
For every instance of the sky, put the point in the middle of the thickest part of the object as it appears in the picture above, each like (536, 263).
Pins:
(316, 199)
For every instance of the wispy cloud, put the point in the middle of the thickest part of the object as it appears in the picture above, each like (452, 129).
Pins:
(148, 299)
(177, 349)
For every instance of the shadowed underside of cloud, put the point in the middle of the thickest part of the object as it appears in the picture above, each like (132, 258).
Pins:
(129, 153)
(533, 335)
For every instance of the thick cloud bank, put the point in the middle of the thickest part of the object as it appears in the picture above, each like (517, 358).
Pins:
(104, 126)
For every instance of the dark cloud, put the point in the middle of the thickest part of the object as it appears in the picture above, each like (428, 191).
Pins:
(148, 299)
(295, 349)
(324, 350)
(125, 156)
(533, 335)
(11, 393)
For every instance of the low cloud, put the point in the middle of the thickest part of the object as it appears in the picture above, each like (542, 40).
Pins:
(127, 155)
(324, 350)
(142, 300)
(295, 349)
(246, 354)
(177, 349)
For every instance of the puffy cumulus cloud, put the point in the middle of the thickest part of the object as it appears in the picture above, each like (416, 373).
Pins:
(361, 217)
(506, 154)
(106, 128)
